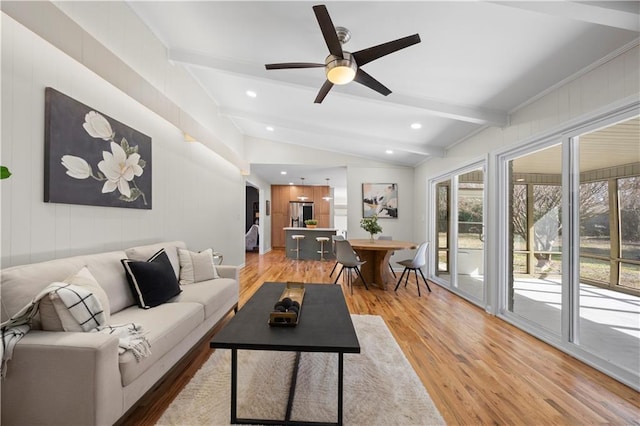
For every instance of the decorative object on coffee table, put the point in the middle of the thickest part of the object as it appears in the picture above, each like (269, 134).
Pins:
(286, 311)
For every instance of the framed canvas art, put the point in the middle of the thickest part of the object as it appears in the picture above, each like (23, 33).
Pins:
(92, 159)
(380, 199)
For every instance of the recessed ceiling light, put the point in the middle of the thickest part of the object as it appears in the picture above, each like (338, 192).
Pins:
(283, 172)
(251, 94)
(270, 129)
(416, 126)
(389, 151)
(290, 183)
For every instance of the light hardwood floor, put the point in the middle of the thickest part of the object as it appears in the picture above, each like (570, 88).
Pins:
(478, 369)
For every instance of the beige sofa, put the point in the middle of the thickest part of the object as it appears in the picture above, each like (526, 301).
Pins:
(76, 378)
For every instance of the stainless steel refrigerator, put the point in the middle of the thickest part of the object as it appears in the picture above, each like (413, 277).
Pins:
(299, 211)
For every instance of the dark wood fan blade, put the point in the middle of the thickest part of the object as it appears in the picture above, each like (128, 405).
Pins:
(328, 30)
(291, 65)
(366, 80)
(323, 92)
(365, 56)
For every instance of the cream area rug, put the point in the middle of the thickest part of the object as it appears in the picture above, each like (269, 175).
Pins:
(380, 386)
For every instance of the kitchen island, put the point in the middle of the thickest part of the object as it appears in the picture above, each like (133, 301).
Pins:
(309, 247)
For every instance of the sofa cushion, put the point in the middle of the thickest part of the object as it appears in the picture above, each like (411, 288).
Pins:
(55, 316)
(166, 326)
(212, 294)
(21, 283)
(145, 252)
(152, 282)
(196, 267)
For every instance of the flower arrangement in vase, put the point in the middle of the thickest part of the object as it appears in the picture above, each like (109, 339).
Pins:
(371, 225)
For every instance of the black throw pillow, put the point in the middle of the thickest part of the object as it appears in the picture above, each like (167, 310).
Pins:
(152, 282)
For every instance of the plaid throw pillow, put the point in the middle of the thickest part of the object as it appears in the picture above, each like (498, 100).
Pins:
(54, 315)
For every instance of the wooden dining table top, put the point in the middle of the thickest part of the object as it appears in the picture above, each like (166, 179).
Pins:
(367, 244)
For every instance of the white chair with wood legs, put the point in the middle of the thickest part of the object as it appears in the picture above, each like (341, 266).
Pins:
(297, 238)
(415, 264)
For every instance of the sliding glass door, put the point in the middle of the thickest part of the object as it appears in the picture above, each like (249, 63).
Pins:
(443, 213)
(572, 228)
(608, 293)
(470, 226)
(535, 285)
(459, 232)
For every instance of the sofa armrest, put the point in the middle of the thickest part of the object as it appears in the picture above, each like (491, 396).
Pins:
(63, 378)
(228, 271)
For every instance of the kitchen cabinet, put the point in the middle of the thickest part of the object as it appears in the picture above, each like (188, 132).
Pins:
(280, 197)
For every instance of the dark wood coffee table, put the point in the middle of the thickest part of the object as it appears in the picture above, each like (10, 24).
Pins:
(324, 326)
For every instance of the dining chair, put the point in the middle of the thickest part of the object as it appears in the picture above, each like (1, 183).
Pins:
(335, 238)
(415, 264)
(348, 258)
(389, 238)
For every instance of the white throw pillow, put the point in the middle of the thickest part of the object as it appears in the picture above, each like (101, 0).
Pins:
(196, 267)
(55, 316)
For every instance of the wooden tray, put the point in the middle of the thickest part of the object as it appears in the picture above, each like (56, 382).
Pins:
(295, 292)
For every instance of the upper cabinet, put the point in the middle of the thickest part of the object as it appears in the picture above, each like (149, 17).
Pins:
(280, 199)
(321, 206)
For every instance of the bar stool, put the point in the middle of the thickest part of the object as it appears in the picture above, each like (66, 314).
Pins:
(297, 237)
(322, 240)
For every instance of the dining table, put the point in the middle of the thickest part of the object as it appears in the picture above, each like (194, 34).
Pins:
(377, 253)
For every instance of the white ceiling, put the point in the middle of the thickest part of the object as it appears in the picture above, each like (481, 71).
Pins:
(477, 62)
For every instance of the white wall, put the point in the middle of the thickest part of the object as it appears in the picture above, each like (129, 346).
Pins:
(400, 228)
(340, 211)
(198, 197)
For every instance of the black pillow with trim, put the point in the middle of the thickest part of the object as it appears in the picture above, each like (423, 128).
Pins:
(152, 282)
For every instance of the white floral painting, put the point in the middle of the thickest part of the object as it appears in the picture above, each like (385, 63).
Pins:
(92, 159)
(380, 200)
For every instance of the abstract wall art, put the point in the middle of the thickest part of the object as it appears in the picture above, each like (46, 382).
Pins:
(380, 200)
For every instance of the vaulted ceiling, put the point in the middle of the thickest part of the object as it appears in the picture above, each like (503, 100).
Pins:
(477, 62)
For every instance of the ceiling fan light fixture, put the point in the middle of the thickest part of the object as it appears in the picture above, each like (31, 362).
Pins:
(341, 71)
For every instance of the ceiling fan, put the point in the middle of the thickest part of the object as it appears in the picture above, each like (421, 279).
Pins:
(341, 66)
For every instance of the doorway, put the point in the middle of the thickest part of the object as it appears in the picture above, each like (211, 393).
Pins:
(252, 219)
